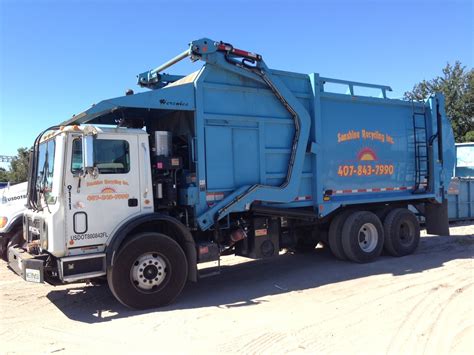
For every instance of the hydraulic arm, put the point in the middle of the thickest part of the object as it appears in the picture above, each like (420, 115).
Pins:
(252, 66)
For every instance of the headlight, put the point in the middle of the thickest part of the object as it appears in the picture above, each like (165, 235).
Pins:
(3, 221)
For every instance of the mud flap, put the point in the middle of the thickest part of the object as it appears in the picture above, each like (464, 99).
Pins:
(436, 216)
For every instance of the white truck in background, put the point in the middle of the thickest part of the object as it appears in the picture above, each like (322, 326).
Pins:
(12, 206)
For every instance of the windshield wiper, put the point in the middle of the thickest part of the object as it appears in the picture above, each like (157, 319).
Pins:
(44, 182)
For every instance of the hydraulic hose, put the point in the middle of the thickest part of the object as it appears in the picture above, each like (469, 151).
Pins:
(296, 137)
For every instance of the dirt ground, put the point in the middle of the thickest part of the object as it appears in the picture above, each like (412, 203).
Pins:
(305, 303)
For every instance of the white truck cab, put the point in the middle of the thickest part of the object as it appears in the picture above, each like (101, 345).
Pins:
(77, 209)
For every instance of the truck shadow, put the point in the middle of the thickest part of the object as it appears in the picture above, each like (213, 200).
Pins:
(245, 284)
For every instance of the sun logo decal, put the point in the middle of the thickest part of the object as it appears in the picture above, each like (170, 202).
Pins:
(366, 154)
(108, 190)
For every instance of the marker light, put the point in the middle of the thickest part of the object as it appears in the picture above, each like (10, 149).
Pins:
(3, 221)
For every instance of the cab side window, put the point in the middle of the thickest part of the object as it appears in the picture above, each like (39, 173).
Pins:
(76, 161)
(111, 156)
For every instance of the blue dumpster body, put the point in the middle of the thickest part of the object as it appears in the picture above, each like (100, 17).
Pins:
(461, 189)
(286, 140)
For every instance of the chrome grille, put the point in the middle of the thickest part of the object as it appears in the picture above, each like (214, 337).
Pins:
(33, 229)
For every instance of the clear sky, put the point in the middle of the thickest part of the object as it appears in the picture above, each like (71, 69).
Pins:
(59, 57)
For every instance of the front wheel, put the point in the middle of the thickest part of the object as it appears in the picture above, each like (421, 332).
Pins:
(4, 247)
(150, 271)
(14, 238)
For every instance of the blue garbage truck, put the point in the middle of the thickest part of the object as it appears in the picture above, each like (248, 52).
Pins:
(234, 158)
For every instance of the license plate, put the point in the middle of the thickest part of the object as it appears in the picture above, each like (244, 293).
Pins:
(32, 275)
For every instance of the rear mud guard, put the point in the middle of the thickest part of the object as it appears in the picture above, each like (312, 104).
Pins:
(437, 218)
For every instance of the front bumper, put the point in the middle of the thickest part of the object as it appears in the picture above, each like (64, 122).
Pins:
(40, 268)
(29, 267)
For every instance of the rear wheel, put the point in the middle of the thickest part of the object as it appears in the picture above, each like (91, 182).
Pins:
(402, 232)
(150, 271)
(335, 235)
(362, 237)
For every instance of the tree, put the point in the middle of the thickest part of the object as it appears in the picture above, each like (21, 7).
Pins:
(19, 166)
(469, 136)
(4, 175)
(457, 85)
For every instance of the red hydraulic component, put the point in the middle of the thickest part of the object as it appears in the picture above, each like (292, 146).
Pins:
(238, 52)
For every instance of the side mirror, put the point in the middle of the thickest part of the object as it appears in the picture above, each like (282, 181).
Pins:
(88, 153)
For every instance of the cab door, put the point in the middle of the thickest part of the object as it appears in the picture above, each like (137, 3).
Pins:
(97, 203)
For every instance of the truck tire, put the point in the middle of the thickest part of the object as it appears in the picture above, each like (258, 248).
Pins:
(150, 270)
(10, 239)
(335, 235)
(4, 239)
(402, 232)
(362, 237)
(16, 238)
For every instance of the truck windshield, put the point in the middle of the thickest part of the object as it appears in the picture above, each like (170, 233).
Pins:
(44, 179)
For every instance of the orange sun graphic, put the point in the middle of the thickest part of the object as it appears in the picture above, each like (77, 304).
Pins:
(366, 154)
(108, 190)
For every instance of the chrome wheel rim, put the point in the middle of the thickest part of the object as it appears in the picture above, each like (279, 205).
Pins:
(148, 271)
(368, 237)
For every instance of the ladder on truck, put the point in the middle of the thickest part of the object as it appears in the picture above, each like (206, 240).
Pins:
(420, 140)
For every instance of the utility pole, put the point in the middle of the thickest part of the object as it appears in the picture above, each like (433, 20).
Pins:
(6, 158)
